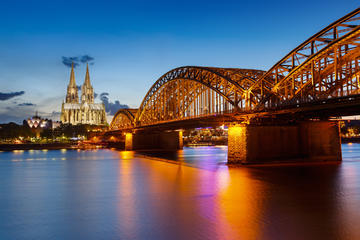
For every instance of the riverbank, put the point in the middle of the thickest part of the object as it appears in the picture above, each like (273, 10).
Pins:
(117, 145)
(37, 146)
(350, 139)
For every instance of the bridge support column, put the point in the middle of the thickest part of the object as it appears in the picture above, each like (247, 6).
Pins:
(171, 140)
(306, 141)
(128, 142)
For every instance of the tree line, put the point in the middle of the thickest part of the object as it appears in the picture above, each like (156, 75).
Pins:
(13, 131)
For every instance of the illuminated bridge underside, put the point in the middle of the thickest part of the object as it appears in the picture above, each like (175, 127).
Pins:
(323, 70)
(263, 110)
(191, 92)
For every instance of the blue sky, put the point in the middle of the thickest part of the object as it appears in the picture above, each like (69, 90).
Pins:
(135, 42)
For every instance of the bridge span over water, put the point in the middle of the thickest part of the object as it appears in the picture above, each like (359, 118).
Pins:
(276, 115)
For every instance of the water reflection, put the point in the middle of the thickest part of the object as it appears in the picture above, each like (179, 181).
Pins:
(190, 194)
(126, 155)
(127, 215)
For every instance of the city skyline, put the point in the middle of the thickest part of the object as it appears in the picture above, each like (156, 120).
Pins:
(179, 119)
(130, 45)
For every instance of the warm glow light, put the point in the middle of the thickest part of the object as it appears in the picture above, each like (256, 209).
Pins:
(223, 179)
(126, 155)
(63, 150)
(236, 129)
(235, 185)
(128, 141)
(236, 149)
(18, 151)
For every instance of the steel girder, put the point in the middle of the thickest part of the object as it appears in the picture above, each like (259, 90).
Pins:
(300, 56)
(332, 72)
(324, 66)
(172, 95)
(123, 119)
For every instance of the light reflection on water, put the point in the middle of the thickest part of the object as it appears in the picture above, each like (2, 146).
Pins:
(192, 194)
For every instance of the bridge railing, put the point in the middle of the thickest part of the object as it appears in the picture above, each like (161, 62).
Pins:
(205, 115)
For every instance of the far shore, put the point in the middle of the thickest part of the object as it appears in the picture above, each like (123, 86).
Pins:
(37, 146)
(57, 146)
(350, 139)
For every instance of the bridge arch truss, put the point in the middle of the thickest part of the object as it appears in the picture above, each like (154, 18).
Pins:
(319, 68)
(123, 119)
(325, 66)
(189, 92)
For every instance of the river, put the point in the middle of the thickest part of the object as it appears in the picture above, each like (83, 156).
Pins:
(108, 194)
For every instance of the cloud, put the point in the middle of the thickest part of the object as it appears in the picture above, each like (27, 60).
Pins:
(55, 115)
(77, 60)
(6, 96)
(6, 118)
(47, 108)
(86, 59)
(111, 107)
(104, 94)
(68, 61)
(15, 114)
(26, 104)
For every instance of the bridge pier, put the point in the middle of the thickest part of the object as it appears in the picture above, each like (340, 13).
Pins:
(128, 142)
(307, 141)
(169, 140)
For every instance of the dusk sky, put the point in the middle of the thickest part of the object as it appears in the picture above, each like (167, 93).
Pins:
(130, 44)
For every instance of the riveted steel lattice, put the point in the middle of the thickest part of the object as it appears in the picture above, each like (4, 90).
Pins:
(188, 92)
(305, 73)
(123, 119)
(325, 66)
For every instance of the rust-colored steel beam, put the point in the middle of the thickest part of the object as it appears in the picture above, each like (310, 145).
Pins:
(323, 70)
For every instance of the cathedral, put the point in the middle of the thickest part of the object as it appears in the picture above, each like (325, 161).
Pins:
(85, 111)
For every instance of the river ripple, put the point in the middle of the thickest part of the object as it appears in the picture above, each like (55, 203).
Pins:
(107, 194)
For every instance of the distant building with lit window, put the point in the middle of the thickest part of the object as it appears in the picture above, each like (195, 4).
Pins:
(38, 124)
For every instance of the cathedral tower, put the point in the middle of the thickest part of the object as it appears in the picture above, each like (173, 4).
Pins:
(84, 112)
(87, 91)
(72, 90)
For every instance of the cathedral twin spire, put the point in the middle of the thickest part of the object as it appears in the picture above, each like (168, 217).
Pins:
(83, 112)
(72, 91)
(87, 92)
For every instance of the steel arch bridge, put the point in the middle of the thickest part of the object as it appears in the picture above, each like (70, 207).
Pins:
(124, 118)
(325, 67)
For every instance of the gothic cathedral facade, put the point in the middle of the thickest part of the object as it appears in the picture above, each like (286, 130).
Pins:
(84, 111)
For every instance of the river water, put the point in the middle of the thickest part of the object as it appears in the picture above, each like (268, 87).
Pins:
(108, 194)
